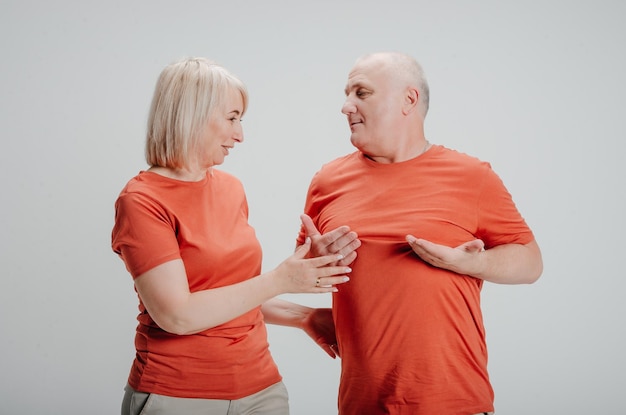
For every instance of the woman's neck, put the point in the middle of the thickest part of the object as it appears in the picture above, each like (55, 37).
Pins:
(180, 174)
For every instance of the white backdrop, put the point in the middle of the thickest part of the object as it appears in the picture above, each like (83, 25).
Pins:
(536, 88)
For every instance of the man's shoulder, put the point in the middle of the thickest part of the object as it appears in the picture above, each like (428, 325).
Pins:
(341, 161)
(459, 157)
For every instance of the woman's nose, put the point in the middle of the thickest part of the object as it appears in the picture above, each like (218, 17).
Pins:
(238, 135)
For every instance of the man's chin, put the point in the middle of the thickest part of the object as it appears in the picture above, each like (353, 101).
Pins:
(354, 140)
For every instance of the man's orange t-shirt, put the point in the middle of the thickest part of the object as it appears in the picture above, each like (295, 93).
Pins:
(411, 336)
(205, 223)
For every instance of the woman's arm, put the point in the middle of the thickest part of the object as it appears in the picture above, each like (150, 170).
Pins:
(164, 291)
(316, 322)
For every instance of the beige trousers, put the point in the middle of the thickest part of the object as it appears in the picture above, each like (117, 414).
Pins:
(270, 401)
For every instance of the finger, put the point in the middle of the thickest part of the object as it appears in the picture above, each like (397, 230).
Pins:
(350, 239)
(348, 259)
(420, 244)
(339, 240)
(309, 226)
(417, 245)
(335, 235)
(329, 350)
(303, 249)
(414, 244)
(331, 281)
(333, 271)
(348, 248)
(324, 260)
(323, 290)
(335, 349)
(475, 245)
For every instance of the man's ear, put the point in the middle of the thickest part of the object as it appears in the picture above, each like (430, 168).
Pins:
(410, 100)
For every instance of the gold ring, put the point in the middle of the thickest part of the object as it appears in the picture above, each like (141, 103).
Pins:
(317, 282)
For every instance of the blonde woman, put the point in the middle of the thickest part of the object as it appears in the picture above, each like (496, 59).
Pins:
(181, 228)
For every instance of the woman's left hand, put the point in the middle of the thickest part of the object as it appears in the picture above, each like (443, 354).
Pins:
(318, 324)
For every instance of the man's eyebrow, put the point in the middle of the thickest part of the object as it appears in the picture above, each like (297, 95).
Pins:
(352, 86)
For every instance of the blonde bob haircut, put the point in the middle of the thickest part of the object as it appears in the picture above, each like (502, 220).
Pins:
(186, 95)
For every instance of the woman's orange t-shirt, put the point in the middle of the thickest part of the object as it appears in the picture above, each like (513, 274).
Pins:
(205, 223)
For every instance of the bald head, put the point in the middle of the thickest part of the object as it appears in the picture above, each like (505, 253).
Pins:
(403, 69)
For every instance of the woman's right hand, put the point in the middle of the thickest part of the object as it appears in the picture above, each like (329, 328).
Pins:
(298, 274)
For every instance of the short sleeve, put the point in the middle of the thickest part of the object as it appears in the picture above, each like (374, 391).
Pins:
(144, 234)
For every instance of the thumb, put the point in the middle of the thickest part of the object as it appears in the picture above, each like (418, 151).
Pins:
(475, 245)
(309, 226)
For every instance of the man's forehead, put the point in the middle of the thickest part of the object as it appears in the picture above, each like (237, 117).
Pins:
(363, 75)
(357, 78)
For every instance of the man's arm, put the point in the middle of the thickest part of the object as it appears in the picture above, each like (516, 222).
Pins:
(503, 264)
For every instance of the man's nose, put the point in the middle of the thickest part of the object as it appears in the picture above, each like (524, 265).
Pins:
(348, 107)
